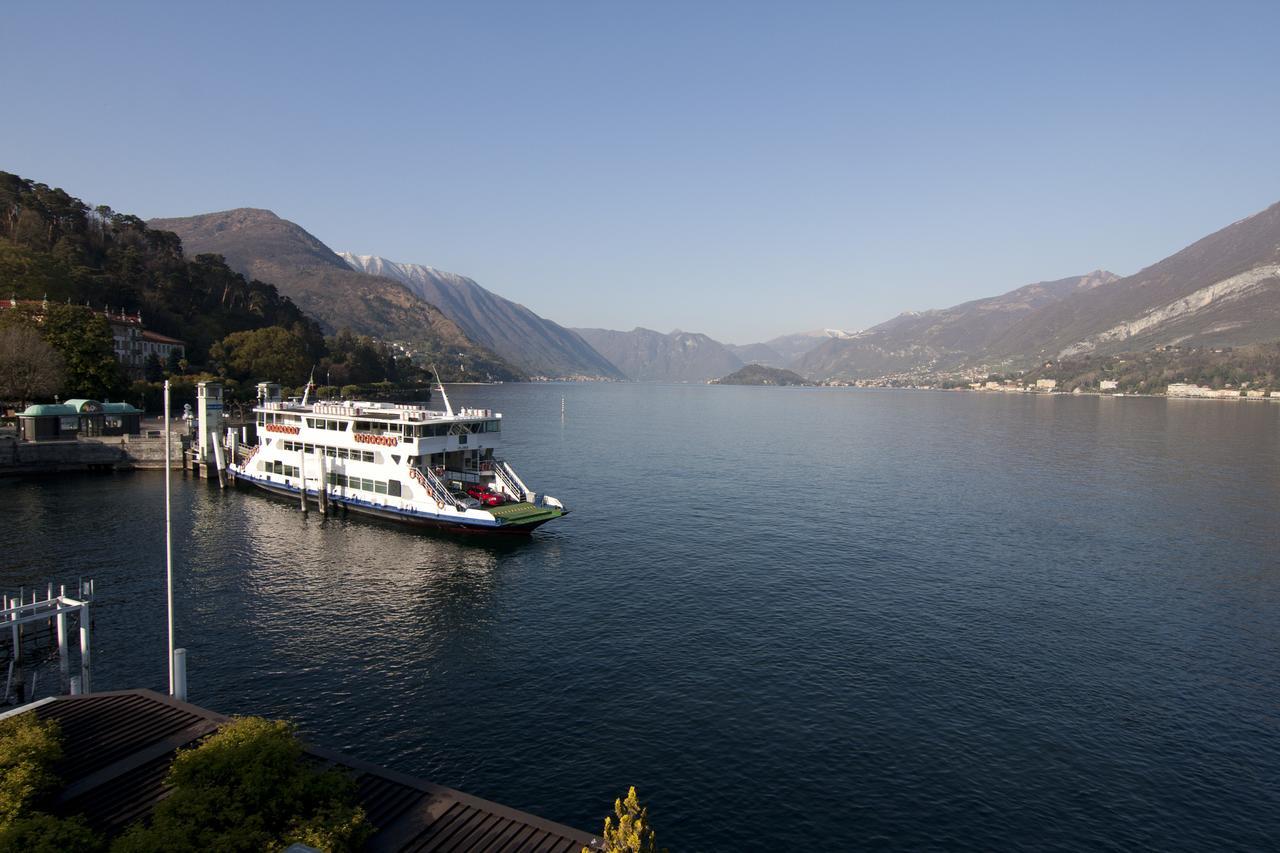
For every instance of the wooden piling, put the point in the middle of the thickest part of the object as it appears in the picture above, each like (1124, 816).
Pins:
(302, 479)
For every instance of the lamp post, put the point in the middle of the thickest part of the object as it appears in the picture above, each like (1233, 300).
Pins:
(168, 532)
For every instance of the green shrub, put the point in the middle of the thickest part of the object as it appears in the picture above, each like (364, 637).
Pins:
(42, 833)
(249, 788)
(631, 833)
(29, 747)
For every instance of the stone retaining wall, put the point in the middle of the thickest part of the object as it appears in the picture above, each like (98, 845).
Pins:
(109, 452)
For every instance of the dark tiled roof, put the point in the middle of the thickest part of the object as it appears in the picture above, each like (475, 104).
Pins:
(118, 748)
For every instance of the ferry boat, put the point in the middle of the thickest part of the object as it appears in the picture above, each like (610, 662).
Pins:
(398, 461)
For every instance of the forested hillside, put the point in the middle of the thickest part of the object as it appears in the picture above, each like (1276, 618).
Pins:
(54, 245)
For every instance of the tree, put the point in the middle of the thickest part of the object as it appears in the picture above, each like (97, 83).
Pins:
(83, 337)
(30, 369)
(249, 788)
(632, 833)
(153, 370)
(270, 354)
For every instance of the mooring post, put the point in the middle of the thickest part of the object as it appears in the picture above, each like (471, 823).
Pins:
(64, 657)
(302, 479)
(324, 486)
(86, 683)
(180, 674)
(17, 634)
(75, 685)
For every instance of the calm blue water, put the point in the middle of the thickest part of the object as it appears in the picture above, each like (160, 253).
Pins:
(794, 618)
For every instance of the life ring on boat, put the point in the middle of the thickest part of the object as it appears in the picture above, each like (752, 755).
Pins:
(439, 504)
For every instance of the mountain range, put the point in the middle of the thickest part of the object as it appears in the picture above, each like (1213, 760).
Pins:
(260, 245)
(645, 355)
(942, 339)
(1223, 290)
(536, 345)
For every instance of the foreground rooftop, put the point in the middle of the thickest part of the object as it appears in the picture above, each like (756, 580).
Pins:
(118, 748)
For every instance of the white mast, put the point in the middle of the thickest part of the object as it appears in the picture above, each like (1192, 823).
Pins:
(448, 409)
(311, 383)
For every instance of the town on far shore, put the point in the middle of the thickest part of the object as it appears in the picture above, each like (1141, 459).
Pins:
(1216, 373)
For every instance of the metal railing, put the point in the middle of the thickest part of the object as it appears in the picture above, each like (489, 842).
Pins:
(435, 489)
(508, 478)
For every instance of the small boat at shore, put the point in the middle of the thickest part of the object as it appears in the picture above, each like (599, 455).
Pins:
(402, 462)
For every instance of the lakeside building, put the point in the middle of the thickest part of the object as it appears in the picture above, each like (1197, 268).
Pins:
(1184, 389)
(1108, 385)
(161, 346)
(1046, 384)
(131, 342)
(75, 418)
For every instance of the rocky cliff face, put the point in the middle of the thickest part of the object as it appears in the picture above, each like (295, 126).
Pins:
(536, 345)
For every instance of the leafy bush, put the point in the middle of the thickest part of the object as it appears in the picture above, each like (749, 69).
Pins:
(43, 833)
(29, 747)
(632, 833)
(249, 788)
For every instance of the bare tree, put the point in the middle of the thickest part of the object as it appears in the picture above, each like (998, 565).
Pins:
(29, 367)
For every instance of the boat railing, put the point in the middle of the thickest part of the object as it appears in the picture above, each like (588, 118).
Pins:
(507, 476)
(435, 489)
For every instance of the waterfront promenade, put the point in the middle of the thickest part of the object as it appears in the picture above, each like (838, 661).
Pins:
(99, 453)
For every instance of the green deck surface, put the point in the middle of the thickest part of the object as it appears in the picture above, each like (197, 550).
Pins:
(522, 513)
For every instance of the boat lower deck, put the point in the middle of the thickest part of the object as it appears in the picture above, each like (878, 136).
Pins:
(523, 513)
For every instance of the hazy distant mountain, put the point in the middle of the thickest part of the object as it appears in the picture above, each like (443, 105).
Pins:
(1223, 290)
(940, 339)
(646, 355)
(757, 354)
(792, 347)
(261, 245)
(532, 343)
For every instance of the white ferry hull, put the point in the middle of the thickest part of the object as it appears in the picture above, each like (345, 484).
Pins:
(415, 518)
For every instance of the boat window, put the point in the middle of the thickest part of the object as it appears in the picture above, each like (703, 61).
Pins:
(393, 488)
(395, 457)
(380, 487)
(331, 452)
(462, 439)
(367, 456)
(493, 426)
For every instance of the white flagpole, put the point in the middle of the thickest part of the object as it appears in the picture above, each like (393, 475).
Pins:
(168, 531)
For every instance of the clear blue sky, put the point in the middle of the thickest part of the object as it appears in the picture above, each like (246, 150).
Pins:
(745, 170)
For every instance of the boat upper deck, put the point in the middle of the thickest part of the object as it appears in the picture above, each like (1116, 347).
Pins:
(376, 411)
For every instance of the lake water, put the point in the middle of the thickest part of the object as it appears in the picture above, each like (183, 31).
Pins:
(794, 618)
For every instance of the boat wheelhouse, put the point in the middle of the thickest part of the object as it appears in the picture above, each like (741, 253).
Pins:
(399, 461)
